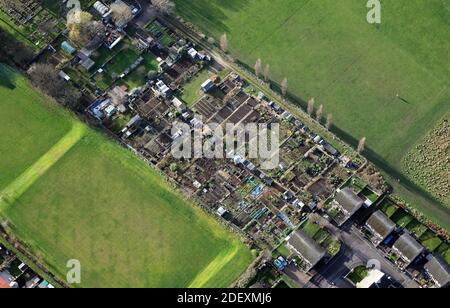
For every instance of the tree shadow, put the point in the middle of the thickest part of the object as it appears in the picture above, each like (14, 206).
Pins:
(210, 14)
(7, 77)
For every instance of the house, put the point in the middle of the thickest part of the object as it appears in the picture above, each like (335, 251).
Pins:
(118, 95)
(221, 211)
(330, 149)
(144, 36)
(407, 248)
(348, 202)
(179, 104)
(380, 226)
(438, 270)
(4, 284)
(306, 248)
(134, 121)
(208, 85)
(193, 53)
(102, 109)
(162, 88)
(85, 61)
(7, 281)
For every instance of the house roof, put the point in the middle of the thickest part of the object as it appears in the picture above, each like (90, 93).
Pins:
(439, 270)
(409, 248)
(4, 284)
(5, 279)
(330, 149)
(381, 224)
(306, 247)
(207, 85)
(348, 200)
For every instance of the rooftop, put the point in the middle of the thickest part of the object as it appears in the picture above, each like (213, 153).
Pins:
(439, 271)
(349, 201)
(408, 247)
(380, 224)
(306, 248)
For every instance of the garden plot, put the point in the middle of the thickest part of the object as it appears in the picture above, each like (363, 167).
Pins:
(161, 33)
(426, 236)
(138, 77)
(192, 91)
(30, 22)
(124, 64)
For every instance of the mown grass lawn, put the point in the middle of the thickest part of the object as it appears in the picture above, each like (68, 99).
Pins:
(386, 82)
(99, 204)
(192, 91)
(126, 57)
(27, 124)
(138, 76)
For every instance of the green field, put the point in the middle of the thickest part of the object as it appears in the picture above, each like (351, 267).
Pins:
(71, 194)
(387, 82)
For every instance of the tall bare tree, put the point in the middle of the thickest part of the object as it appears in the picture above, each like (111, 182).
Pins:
(163, 6)
(329, 121)
(224, 42)
(258, 67)
(267, 73)
(311, 103)
(43, 75)
(361, 145)
(284, 86)
(319, 113)
(13, 50)
(121, 13)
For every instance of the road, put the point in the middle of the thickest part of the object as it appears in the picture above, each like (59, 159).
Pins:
(356, 251)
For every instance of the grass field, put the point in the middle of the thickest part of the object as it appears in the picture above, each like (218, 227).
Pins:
(386, 82)
(72, 194)
(21, 123)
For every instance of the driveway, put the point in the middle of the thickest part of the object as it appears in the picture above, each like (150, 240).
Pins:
(356, 251)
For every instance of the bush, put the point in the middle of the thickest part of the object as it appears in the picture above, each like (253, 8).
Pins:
(43, 75)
